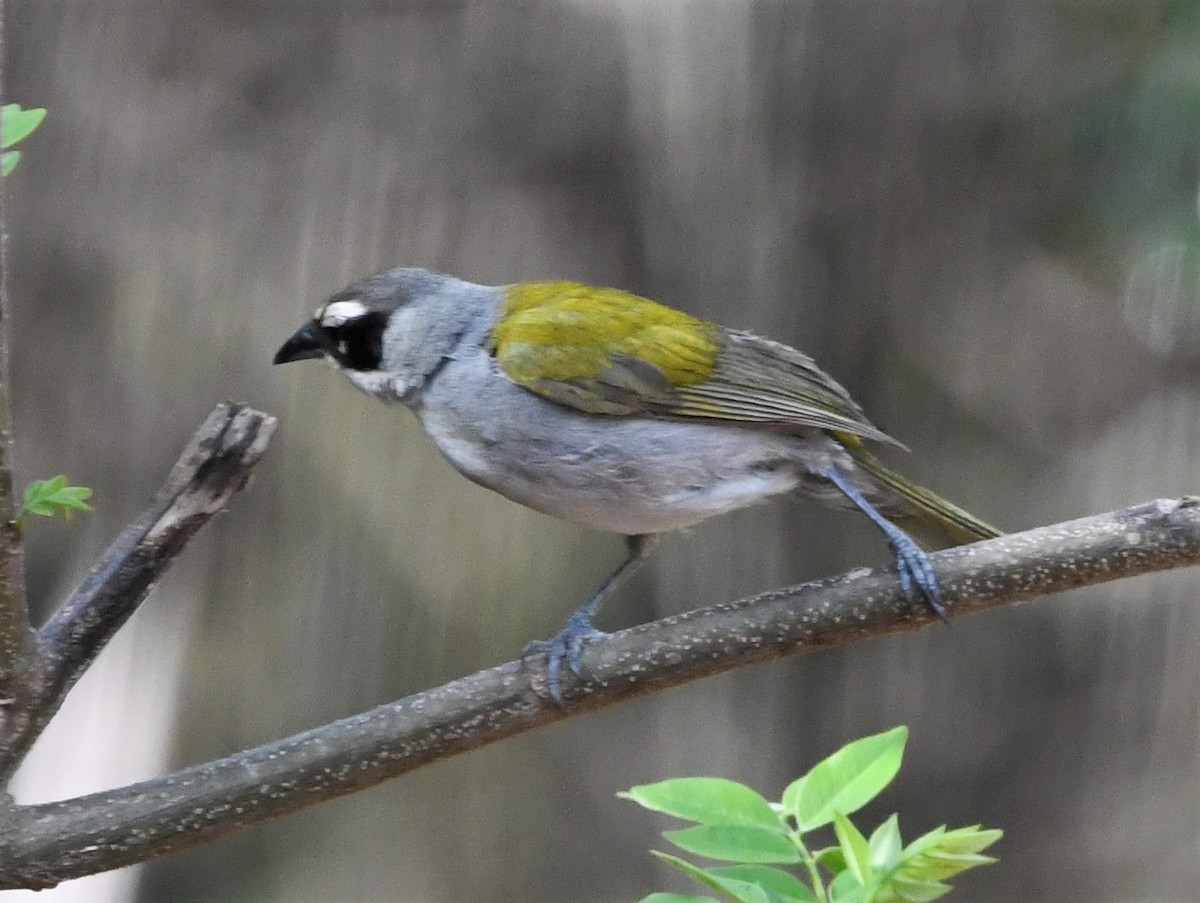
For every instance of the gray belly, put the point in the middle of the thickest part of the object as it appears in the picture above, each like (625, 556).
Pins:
(623, 474)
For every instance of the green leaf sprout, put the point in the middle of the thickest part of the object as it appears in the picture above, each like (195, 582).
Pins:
(735, 824)
(46, 498)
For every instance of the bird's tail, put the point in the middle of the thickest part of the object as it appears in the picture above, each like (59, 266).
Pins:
(930, 518)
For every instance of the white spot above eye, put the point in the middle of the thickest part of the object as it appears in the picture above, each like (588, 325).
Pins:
(339, 312)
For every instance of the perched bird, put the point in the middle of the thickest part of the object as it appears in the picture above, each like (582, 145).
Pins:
(605, 409)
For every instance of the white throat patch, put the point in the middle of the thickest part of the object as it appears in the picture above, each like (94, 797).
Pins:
(384, 386)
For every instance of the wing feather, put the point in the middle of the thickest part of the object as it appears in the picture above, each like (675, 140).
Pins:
(604, 351)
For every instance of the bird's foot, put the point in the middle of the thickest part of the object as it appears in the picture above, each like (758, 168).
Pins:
(566, 645)
(916, 571)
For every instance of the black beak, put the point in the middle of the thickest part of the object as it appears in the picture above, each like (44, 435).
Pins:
(306, 343)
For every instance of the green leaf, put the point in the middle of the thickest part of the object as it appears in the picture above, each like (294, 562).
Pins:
(832, 858)
(737, 843)
(926, 841)
(971, 839)
(886, 846)
(847, 780)
(916, 891)
(16, 123)
(783, 886)
(942, 854)
(9, 161)
(926, 863)
(740, 891)
(708, 801)
(675, 898)
(947, 865)
(846, 889)
(49, 497)
(854, 847)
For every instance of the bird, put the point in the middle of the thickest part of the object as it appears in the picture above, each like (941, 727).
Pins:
(607, 409)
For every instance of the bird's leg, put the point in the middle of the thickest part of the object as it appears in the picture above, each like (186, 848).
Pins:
(911, 560)
(568, 643)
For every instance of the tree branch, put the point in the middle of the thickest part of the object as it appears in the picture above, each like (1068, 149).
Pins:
(214, 466)
(44, 844)
(16, 636)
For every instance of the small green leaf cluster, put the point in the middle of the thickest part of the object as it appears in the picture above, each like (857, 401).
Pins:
(16, 124)
(49, 497)
(735, 824)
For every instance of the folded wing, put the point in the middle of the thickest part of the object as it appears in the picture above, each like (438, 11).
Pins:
(605, 351)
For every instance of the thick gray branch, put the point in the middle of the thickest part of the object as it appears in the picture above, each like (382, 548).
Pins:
(214, 466)
(42, 845)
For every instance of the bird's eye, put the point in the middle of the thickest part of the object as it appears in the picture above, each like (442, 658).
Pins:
(356, 343)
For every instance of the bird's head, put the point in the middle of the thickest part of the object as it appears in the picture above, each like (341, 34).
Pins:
(388, 332)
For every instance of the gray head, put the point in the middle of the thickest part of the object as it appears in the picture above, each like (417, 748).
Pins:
(388, 331)
(349, 327)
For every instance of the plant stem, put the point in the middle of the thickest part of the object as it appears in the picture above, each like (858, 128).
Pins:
(810, 863)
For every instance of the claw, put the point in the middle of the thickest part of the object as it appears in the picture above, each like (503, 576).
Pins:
(912, 562)
(566, 645)
(916, 571)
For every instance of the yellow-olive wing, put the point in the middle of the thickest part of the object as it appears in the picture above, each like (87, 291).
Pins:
(605, 351)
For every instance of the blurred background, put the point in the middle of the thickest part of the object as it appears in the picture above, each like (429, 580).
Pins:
(982, 218)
